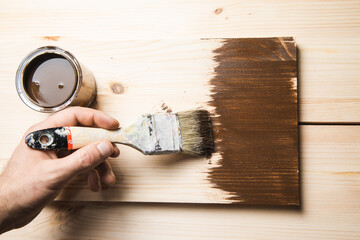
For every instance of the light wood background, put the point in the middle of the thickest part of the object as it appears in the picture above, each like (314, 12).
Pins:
(328, 38)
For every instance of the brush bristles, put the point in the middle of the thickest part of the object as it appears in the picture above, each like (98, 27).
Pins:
(196, 133)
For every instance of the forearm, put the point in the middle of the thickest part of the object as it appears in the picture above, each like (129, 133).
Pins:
(5, 209)
(13, 212)
(11, 218)
(5, 224)
(12, 215)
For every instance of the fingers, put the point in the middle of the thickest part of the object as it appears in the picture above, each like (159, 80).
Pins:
(64, 153)
(85, 159)
(94, 181)
(106, 173)
(116, 152)
(78, 116)
(101, 177)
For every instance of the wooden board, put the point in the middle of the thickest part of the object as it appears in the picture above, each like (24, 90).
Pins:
(330, 202)
(248, 85)
(327, 33)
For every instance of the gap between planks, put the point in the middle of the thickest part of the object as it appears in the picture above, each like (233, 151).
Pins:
(329, 123)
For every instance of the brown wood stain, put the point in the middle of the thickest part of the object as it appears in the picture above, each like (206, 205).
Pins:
(256, 129)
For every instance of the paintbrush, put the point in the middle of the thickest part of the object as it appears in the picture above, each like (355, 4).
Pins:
(189, 132)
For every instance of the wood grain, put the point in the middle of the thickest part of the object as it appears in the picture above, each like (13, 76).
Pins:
(254, 92)
(328, 36)
(330, 193)
(327, 33)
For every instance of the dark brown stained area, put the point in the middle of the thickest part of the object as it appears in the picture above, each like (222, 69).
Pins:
(256, 131)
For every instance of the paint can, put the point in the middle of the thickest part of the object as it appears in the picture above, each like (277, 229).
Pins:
(50, 79)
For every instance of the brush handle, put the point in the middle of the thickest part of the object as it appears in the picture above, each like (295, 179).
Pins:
(70, 137)
(151, 134)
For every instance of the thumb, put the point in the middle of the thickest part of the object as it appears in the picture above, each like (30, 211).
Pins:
(86, 158)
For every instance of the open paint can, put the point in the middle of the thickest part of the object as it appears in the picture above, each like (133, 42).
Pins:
(50, 79)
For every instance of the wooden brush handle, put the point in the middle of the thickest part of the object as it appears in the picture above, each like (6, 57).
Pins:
(69, 137)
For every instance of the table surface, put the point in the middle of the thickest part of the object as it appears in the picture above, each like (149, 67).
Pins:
(328, 37)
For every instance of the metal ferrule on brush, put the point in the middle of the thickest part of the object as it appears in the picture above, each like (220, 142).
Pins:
(164, 132)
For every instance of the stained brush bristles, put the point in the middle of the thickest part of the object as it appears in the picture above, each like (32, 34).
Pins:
(196, 133)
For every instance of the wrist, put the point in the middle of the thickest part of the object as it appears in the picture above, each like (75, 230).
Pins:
(7, 222)
(4, 209)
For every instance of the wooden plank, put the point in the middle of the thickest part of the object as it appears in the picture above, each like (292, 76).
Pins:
(309, 20)
(327, 33)
(330, 205)
(149, 76)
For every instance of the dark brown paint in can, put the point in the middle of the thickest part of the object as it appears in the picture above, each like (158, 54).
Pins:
(50, 78)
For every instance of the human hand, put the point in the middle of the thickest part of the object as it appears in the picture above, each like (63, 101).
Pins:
(33, 178)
